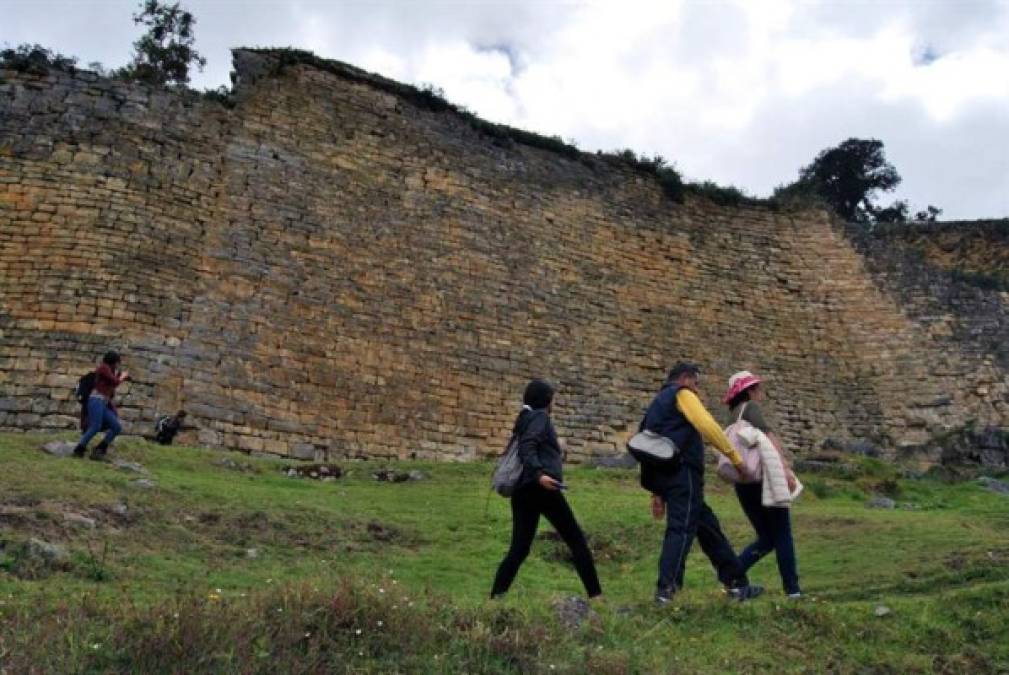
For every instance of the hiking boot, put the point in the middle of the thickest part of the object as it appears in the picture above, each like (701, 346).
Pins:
(100, 451)
(744, 593)
(79, 451)
(795, 595)
(664, 595)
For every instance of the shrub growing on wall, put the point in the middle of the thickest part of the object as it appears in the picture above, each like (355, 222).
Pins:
(35, 59)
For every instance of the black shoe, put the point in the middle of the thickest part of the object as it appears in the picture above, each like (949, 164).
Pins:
(98, 454)
(664, 595)
(79, 451)
(744, 593)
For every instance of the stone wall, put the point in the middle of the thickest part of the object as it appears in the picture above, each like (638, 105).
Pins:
(328, 268)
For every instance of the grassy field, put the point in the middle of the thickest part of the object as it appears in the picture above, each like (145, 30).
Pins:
(237, 567)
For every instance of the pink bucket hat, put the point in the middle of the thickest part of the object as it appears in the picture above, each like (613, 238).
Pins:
(738, 383)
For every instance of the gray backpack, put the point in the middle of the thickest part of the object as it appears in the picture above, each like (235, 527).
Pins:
(509, 470)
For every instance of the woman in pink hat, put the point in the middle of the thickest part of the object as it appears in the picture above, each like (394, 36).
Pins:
(772, 524)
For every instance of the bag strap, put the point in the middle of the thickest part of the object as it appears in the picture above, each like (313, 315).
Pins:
(742, 409)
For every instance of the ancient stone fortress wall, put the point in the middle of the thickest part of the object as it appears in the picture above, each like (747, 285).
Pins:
(327, 267)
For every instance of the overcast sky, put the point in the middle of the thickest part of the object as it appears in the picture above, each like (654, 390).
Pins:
(740, 92)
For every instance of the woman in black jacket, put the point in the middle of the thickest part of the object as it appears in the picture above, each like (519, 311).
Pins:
(539, 493)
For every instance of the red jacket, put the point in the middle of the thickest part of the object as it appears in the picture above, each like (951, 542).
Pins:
(106, 381)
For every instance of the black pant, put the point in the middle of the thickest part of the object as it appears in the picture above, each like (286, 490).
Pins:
(528, 503)
(687, 516)
(774, 533)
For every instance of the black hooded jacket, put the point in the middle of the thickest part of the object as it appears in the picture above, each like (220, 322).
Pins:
(537, 446)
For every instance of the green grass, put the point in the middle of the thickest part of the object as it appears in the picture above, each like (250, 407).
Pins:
(170, 585)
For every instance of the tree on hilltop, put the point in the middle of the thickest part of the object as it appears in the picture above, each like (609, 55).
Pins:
(164, 54)
(846, 178)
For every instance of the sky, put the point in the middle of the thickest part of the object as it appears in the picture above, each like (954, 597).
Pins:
(740, 92)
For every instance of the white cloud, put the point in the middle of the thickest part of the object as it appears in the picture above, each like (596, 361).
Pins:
(741, 91)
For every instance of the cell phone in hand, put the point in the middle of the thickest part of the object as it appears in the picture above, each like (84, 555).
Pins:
(561, 486)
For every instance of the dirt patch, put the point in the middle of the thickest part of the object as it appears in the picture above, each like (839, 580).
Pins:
(311, 532)
(233, 465)
(50, 521)
(961, 560)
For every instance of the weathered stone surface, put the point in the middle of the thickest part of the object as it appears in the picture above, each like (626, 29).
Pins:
(573, 611)
(881, 503)
(59, 448)
(78, 520)
(392, 476)
(994, 485)
(314, 471)
(134, 467)
(46, 551)
(328, 265)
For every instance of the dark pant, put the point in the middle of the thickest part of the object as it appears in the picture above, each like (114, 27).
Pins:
(774, 533)
(100, 415)
(687, 516)
(528, 503)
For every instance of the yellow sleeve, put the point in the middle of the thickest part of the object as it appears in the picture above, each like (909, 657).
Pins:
(701, 419)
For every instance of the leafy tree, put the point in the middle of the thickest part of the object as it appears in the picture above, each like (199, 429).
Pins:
(929, 215)
(164, 54)
(846, 178)
(895, 213)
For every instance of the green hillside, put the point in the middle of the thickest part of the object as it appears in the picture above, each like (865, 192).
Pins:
(223, 563)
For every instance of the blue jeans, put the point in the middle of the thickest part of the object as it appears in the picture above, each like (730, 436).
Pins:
(687, 517)
(774, 533)
(99, 415)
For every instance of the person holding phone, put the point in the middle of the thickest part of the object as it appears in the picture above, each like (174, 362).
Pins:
(539, 492)
(101, 408)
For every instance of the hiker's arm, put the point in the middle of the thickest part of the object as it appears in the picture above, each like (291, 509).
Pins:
(105, 375)
(529, 443)
(701, 419)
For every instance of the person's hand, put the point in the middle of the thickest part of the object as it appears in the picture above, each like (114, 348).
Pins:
(548, 483)
(743, 472)
(658, 507)
(792, 483)
(125, 375)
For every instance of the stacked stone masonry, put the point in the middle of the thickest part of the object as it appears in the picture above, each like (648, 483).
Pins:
(326, 269)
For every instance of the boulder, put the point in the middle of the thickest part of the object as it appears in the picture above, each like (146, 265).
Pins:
(135, 467)
(994, 485)
(573, 611)
(59, 448)
(879, 502)
(44, 551)
(390, 476)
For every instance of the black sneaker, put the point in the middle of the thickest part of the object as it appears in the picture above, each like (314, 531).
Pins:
(664, 595)
(79, 451)
(744, 593)
(100, 451)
